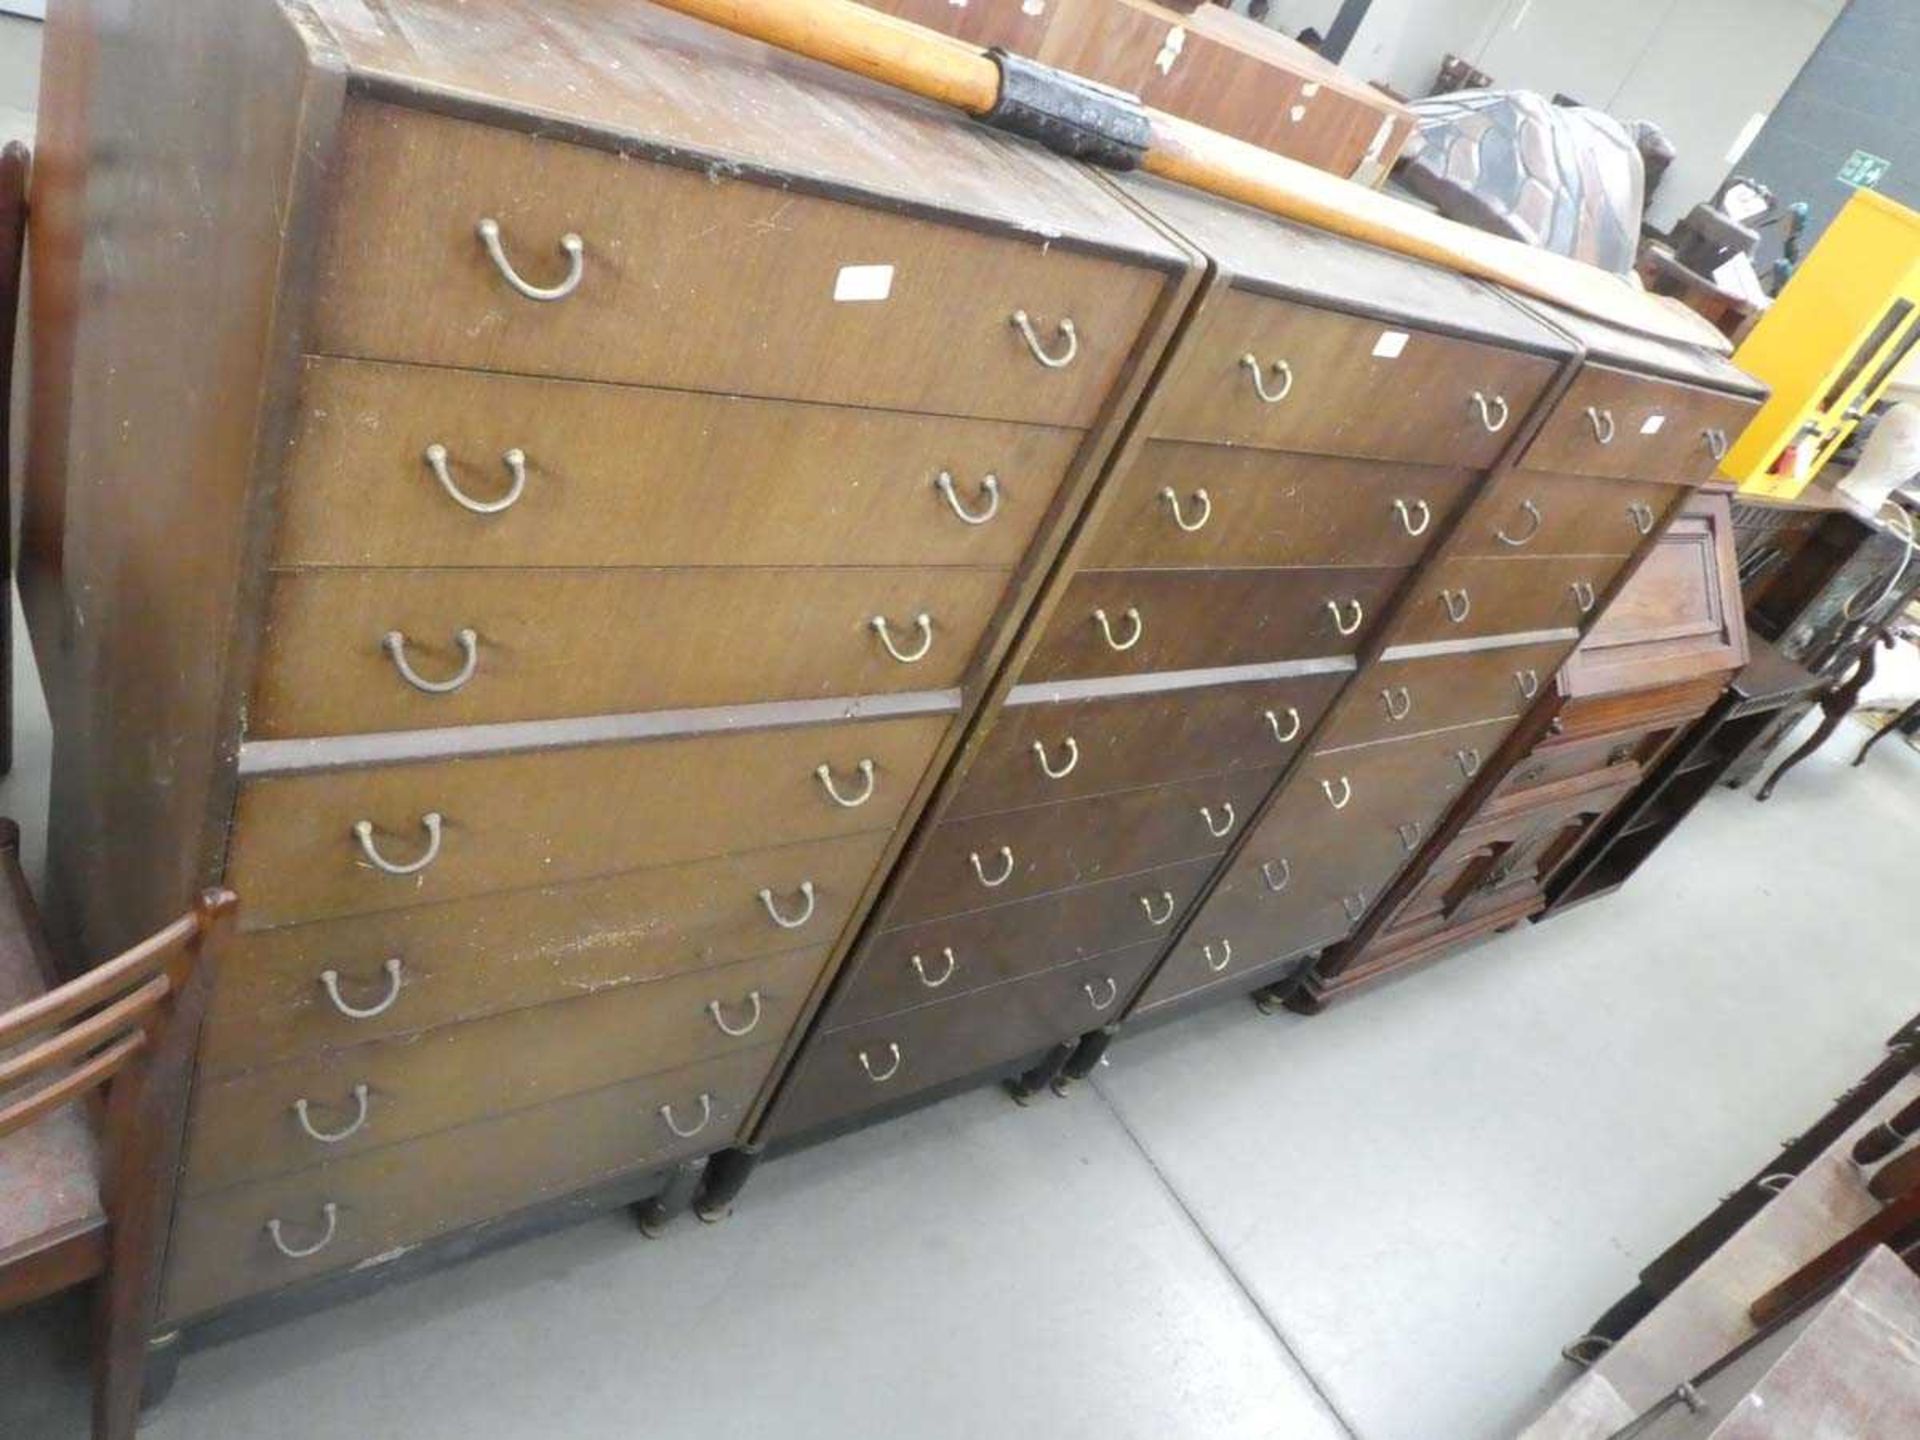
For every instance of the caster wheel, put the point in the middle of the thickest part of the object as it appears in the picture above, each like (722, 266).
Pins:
(651, 1227)
(712, 1217)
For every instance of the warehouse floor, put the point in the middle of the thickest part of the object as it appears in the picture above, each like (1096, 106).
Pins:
(1381, 1223)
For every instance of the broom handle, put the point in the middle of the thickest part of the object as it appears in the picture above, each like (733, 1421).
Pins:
(938, 67)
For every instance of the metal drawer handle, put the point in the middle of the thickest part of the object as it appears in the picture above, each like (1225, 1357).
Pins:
(1529, 683)
(1716, 443)
(1346, 793)
(1359, 616)
(330, 982)
(891, 1070)
(573, 245)
(989, 487)
(1642, 517)
(1221, 832)
(1200, 498)
(1226, 955)
(1401, 710)
(1006, 868)
(706, 1116)
(1113, 993)
(1146, 904)
(1499, 402)
(329, 1212)
(1251, 364)
(1052, 362)
(1293, 725)
(334, 1137)
(1459, 604)
(1602, 423)
(1286, 874)
(1355, 905)
(825, 776)
(1106, 629)
(1469, 760)
(720, 1019)
(1533, 514)
(516, 463)
(806, 909)
(430, 822)
(1409, 835)
(922, 622)
(1582, 595)
(920, 969)
(1405, 513)
(1073, 759)
(395, 644)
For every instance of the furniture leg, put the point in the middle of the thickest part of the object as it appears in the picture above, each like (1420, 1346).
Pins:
(726, 1176)
(1904, 723)
(161, 1367)
(1087, 1054)
(1834, 706)
(1031, 1082)
(653, 1216)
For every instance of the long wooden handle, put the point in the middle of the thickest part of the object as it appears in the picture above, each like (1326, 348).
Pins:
(910, 57)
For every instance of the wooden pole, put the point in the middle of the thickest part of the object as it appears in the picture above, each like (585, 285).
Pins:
(938, 67)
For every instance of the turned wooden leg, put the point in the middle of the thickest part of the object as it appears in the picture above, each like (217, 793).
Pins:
(1834, 706)
(1031, 1082)
(726, 1176)
(653, 1216)
(1091, 1050)
(1903, 723)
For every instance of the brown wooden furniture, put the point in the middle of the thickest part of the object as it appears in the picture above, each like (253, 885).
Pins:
(16, 161)
(93, 1074)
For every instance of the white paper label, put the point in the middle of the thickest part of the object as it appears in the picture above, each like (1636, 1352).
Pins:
(1652, 424)
(863, 282)
(1390, 344)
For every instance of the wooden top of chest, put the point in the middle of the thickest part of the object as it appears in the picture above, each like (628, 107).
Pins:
(639, 80)
(1613, 345)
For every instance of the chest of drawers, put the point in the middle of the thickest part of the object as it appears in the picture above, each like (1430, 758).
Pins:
(625, 477)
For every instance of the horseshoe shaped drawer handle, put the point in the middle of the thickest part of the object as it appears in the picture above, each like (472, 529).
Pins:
(1226, 955)
(920, 968)
(1459, 604)
(1716, 443)
(880, 1077)
(516, 463)
(1292, 731)
(330, 1222)
(429, 822)
(824, 775)
(1468, 760)
(922, 622)
(1409, 834)
(1535, 521)
(1404, 707)
(394, 642)
(737, 1032)
(1355, 905)
(1602, 423)
(303, 1113)
(1024, 325)
(1286, 874)
(806, 909)
(1046, 768)
(1487, 407)
(706, 1117)
(1204, 513)
(1345, 628)
(1405, 512)
(1582, 596)
(1346, 793)
(1113, 993)
(1222, 831)
(330, 983)
(989, 487)
(1146, 904)
(1106, 629)
(1529, 683)
(1251, 364)
(576, 253)
(1642, 516)
(980, 871)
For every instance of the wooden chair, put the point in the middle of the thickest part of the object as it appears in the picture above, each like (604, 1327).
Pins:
(93, 1078)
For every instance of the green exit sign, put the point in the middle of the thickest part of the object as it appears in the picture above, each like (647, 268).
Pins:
(1864, 171)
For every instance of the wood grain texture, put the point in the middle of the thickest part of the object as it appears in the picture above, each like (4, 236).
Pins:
(1571, 515)
(1658, 428)
(618, 475)
(1503, 596)
(1398, 698)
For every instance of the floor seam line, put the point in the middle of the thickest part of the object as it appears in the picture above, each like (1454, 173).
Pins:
(1272, 1325)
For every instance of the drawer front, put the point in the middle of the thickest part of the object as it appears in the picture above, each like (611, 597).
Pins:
(517, 821)
(1398, 698)
(1092, 747)
(396, 971)
(938, 959)
(1235, 939)
(1159, 620)
(250, 1126)
(695, 282)
(1351, 386)
(1471, 597)
(398, 1195)
(1555, 762)
(1528, 512)
(352, 651)
(1231, 505)
(623, 476)
(850, 1071)
(995, 859)
(1612, 422)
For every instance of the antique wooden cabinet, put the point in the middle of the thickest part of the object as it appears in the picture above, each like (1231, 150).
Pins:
(535, 528)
